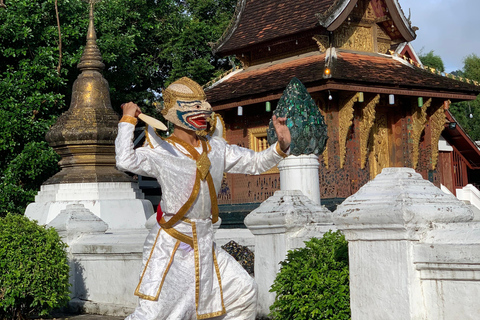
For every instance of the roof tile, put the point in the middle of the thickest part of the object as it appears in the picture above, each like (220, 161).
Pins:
(349, 67)
(263, 20)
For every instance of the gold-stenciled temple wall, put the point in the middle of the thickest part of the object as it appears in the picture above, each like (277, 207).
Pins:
(370, 136)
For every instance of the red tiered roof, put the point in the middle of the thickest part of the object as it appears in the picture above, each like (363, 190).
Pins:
(259, 21)
(269, 77)
(352, 71)
(379, 69)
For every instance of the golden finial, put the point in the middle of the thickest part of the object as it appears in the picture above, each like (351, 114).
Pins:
(91, 58)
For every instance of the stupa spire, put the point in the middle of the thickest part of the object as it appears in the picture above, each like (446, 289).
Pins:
(91, 58)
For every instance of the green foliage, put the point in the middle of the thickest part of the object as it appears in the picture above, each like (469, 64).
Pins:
(145, 45)
(471, 67)
(190, 50)
(313, 282)
(34, 269)
(432, 60)
(462, 110)
(30, 95)
(22, 176)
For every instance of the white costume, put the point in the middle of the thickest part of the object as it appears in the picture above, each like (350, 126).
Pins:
(185, 276)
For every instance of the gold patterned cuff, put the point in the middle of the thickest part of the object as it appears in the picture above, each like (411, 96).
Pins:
(280, 151)
(129, 119)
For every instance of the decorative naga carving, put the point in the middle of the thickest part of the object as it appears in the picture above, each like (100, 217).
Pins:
(345, 117)
(322, 42)
(383, 47)
(324, 115)
(419, 119)
(366, 124)
(354, 38)
(379, 157)
(437, 124)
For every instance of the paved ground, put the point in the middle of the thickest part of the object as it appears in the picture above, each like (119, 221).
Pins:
(91, 317)
(94, 317)
(84, 317)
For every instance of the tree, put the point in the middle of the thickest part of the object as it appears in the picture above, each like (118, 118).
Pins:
(145, 45)
(467, 113)
(471, 67)
(207, 20)
(30, 98)
(432, 60)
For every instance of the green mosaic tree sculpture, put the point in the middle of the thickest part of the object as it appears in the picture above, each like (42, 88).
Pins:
(306, 123)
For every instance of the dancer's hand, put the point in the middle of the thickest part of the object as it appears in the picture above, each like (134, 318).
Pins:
(283, 133)
(131, 109)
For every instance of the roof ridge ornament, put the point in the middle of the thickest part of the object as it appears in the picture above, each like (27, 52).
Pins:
(232, 26)
(333, 12)
(330, 56)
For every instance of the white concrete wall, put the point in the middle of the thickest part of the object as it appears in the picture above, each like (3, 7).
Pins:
(414, 251)
(120, 204)
(106, 272)
(469, 193)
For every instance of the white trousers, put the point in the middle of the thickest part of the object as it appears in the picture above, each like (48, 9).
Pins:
(177, 297)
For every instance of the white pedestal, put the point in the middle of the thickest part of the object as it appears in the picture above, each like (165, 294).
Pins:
(120, 204)
(301, 173)
(283, 222)
(104, 267)
(106, 270)
(413, 250)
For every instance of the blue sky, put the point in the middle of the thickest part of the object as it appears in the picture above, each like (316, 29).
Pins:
(451, 28)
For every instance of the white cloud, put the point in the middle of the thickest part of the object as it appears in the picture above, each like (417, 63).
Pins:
(449, 27)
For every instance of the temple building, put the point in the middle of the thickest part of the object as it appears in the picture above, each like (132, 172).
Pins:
(383, 108)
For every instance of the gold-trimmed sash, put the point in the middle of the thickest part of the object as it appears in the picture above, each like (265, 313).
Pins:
(178, 235)
(202, 173)
(186, 206)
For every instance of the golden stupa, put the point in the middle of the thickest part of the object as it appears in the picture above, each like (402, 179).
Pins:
(84, 136)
